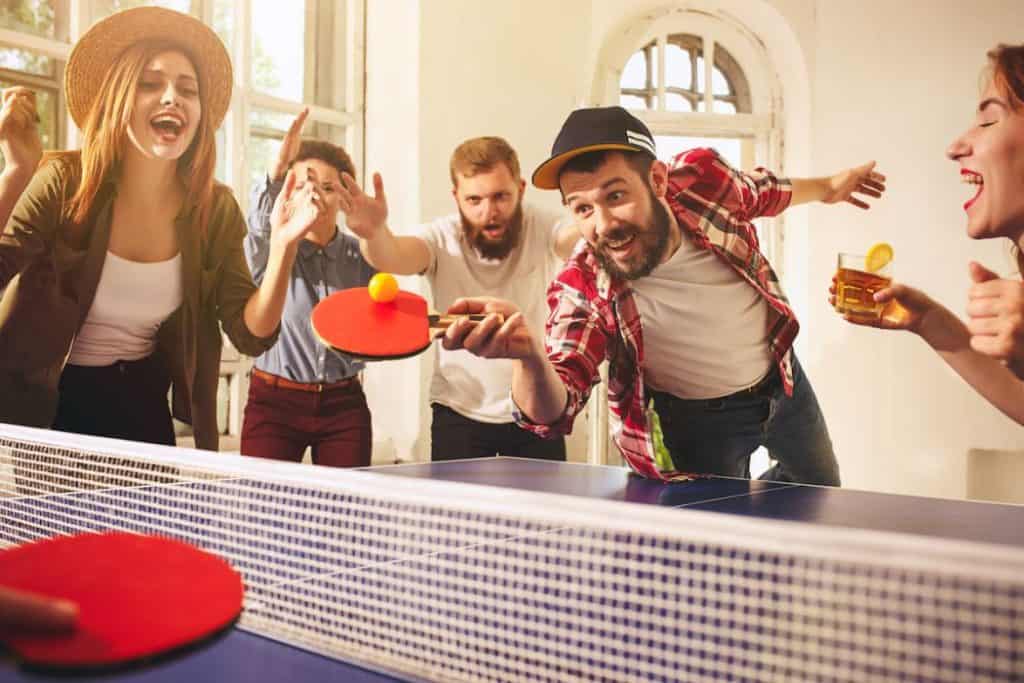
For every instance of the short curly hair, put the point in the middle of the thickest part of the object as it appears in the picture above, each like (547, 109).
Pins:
(334, 156)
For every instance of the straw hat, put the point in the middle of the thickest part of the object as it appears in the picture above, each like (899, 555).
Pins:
(102, 44)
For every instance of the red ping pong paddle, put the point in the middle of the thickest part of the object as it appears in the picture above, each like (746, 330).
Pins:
(351, 322)
(139, 597)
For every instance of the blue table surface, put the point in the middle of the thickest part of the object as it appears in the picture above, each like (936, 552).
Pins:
(242, 656)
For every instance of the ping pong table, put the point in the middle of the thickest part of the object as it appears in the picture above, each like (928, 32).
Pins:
(239, 655)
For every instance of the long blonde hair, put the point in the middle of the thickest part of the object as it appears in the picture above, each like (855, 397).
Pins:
(105, 136)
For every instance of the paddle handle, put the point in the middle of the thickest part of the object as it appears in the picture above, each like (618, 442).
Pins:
(440, 322)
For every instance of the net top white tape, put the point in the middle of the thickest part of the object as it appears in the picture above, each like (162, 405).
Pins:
(447, 581)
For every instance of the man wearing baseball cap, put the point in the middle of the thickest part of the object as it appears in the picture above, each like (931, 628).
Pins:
(671, 288)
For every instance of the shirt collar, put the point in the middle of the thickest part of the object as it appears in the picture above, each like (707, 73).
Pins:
(332, 250)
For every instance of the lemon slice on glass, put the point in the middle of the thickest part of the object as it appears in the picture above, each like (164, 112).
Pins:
(878, 257)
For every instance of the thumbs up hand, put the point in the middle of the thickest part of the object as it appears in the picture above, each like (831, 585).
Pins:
(995, 311)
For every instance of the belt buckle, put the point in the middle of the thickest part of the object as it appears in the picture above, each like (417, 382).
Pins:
(319, 387)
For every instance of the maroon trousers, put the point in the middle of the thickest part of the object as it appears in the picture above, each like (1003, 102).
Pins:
(280, 423)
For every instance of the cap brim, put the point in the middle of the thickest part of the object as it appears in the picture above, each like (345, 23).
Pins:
(546, 175)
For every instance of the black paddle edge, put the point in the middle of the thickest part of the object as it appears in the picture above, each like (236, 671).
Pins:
(33, 668)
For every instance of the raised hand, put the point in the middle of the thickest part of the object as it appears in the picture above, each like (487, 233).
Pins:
(289, 146)
(364, 215)
(502, 334)
(995, 311)
(296, 210)
(860, 180)
(19, 135)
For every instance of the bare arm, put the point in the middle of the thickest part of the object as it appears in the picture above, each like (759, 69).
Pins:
(537, 389)
(911, 309)
(399, 254)
(20, 145)
(294, 213)
(367, 216)
(840, 187)
(951, 339)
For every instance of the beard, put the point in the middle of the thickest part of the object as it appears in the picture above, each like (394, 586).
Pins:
(653, 242)
(494, 249)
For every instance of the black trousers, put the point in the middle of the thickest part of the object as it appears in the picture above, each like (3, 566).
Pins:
(457, 437)
(126, 400)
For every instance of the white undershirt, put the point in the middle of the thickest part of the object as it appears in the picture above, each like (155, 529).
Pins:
(474, 387)
(705, 329)
(132, 300)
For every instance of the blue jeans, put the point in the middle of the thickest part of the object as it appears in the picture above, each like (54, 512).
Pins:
(717, 436)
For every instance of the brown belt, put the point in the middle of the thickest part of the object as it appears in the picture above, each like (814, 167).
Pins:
(311, 387)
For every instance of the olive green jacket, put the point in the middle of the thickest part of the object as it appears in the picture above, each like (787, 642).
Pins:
(48, 287)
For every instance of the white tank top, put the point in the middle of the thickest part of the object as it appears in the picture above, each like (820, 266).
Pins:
(132, 300)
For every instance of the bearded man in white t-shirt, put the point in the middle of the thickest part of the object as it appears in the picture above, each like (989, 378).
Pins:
(494, 245)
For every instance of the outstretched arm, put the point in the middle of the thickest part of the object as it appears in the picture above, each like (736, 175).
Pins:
(20, 146)
(295, 211)
(907, 308)
(367, 216)
(846, 186)
(257, 239)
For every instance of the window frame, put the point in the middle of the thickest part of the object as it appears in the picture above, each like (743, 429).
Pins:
(339, 116)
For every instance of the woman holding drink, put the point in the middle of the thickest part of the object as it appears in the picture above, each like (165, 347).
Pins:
(120, 263)
(987, 351)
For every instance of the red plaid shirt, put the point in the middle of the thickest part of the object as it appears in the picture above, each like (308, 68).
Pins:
(594, 317)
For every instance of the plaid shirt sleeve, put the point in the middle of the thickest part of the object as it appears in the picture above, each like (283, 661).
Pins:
(576, 340)
(745, 196)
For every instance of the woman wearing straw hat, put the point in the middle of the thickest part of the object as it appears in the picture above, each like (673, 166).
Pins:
(119, 260)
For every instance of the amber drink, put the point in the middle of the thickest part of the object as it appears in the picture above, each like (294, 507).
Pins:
(856, 286)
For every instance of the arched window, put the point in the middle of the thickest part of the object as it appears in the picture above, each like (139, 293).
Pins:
(697, 80)
(683, 86)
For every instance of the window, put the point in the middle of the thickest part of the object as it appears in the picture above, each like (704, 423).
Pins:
(35, 61)
(286, 55)
(684, 87)
(678, 74)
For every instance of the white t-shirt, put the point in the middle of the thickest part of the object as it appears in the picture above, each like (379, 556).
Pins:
(132, 300)
(478, 388)
(705, 329)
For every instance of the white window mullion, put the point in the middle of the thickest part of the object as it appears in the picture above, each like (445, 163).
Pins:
(317, 113)
(237, 123)
(354, 32)
(662, 76)
(708, 43)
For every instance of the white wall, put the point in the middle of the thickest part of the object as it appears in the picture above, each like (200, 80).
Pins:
(897, 81)
(439, 72)
(395, 390)
(894, 81)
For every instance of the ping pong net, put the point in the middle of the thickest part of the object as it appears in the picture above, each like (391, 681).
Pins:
(441, 581)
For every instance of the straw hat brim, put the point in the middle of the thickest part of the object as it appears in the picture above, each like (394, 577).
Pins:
(101, 46)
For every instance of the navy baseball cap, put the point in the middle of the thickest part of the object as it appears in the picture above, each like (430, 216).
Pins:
(588, 130)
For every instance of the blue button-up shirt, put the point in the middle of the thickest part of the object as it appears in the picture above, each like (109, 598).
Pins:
(318, 271)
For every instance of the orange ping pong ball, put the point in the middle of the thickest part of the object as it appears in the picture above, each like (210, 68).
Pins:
(383, 288)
